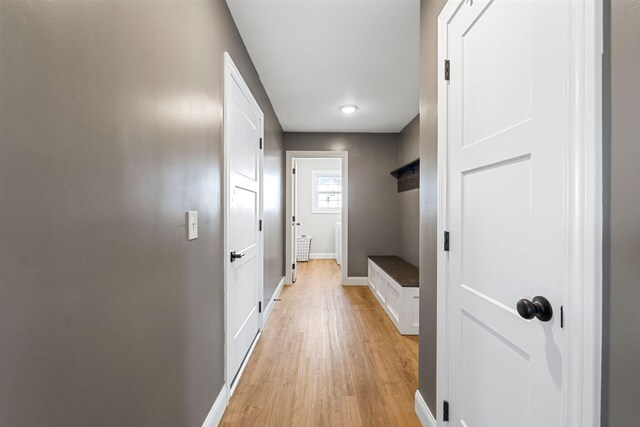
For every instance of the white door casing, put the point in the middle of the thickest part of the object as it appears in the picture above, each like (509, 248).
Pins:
(512, 197)
(291, 156)
(243, 128)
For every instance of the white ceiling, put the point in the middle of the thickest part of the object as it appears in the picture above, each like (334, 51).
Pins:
(315, 55)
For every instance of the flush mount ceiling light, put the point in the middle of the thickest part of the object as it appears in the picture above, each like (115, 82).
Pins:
(348, 109)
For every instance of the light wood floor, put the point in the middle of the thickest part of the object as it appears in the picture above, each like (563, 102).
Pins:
(329, 356)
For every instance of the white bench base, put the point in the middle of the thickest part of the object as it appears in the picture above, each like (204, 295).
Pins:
(402, 305)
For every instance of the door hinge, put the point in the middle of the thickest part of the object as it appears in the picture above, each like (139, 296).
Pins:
(446, 241)
(259, 306)
(445, 411)
(293, 266)
(293, 171)
(261, 143)
(562, 316)
(447, 70)
(260, 225)
(293, 218)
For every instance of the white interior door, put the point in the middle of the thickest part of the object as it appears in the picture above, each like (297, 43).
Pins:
(507, 140)
(244, 262)
(295, 221)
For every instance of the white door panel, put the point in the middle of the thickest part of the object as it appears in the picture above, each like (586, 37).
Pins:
(505, 227)
(244, 157)
(485, 54)
(508, 135)
(244, 273)
(244, 211)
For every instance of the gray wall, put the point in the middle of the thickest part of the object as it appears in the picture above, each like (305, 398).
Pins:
(621, 369)
(274, 203)
(409, 201)
(409, 142)
(110, 129)
(429, 11)
(373, 201)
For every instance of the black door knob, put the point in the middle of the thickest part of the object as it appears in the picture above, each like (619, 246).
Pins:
(540, 307)
(235, 256)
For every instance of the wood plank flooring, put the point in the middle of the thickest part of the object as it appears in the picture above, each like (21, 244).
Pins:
(329, 356)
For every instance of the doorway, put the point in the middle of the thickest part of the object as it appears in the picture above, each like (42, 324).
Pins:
(317, 209)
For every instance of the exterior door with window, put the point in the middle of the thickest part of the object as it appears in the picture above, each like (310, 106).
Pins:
(507, 143)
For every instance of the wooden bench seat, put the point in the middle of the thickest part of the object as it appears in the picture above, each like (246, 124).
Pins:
(405, 274)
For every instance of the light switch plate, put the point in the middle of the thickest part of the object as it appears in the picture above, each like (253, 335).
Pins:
(192, 224)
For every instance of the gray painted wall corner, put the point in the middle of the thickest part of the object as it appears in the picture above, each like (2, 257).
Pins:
(429, 11)
(409, 201)
(621, 328)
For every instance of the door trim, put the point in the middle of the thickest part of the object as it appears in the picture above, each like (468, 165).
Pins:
(231, 74)
(582, 395)
(344, 155)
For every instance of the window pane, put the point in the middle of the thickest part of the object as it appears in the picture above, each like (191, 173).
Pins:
(328, 192)
(329, 200)
(323, 180)
(329, 183)
(331, 188)
(329, 196)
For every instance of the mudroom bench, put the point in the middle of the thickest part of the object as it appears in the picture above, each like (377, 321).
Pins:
(394, 282)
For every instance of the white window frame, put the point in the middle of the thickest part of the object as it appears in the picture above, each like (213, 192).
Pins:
(315, 174)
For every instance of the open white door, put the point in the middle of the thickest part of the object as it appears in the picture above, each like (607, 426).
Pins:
(244, 259)
(508, 142)
(294, 221)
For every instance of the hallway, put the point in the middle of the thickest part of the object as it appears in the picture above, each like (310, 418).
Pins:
(329, 356)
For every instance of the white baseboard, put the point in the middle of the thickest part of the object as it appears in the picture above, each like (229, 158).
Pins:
(245, 362)
(424, 414)
(272, 303)
(322, 256)
(356, 281)
(218, 408)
